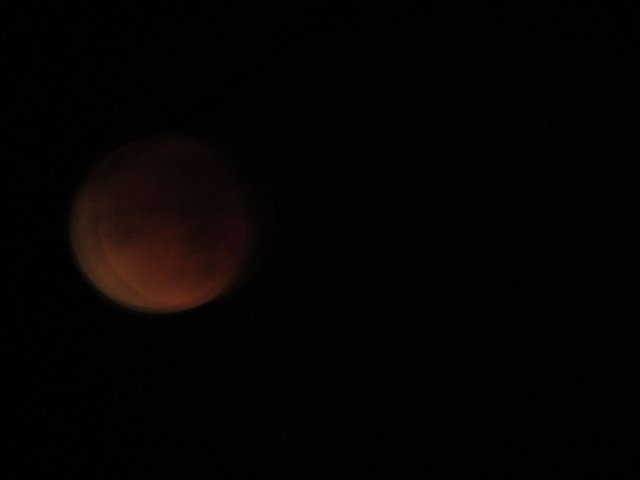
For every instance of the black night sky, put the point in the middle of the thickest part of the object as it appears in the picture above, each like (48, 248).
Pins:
(433, 296)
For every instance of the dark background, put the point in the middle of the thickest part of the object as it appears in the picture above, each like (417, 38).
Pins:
(437, 292)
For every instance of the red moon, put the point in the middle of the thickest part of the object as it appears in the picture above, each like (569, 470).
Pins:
(162, 225)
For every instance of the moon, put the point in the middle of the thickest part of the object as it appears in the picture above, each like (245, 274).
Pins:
(162, 225)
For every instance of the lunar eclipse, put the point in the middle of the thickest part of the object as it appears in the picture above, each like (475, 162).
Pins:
(162, 225)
